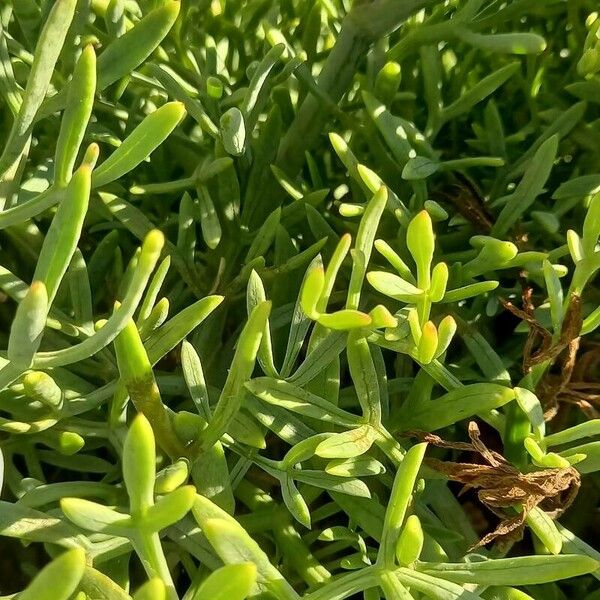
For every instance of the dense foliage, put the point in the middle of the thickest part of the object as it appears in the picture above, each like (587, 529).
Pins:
(353, 355)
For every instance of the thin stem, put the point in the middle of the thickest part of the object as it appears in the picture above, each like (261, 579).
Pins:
(149, 549)
(347, 585)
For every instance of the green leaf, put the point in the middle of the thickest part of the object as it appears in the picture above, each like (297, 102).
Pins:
(169, 509)
(233, 131)
(343, 485)
(234, 546)
(124, 54)
(180, 92)
(392, 588)
(348, 444)
(240, 371)
(582, 186)
(433, 587)
(468, 291)
(210, 474)
(506, 43)
(300, 323)
(136, 147)
(367, 230)
(194, 378)
(364, 376)
(522, 570)
(57, 580)
(357, 466)
(344, 319)
(172, 476)
(531, 406)
(257, 83)
(393, 286)
(455, 406)
(294, 398)
(166, 337)
(505, 593)
(209, 218)
(151, 590)
(544, 528)
(100, 587)
(294, 501)
(96, 517)
(330, 346)
(400, 498)
(428, 343)
(480, 91)
(231, 582)
(148, 258)
(28, 325)
(419, 167)
(78, 109)
(529, 188)
(570, 434)
(136, 373)
(255, 295)
(312, 289)
(47, 51)
(63, 235)
(591, 226)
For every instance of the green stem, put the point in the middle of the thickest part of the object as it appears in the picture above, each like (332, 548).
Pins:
(516, 429)
(150, 552)
(347, 585)
(389, 446)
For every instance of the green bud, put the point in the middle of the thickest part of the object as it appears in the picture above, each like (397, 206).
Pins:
(214, 87)
(351, 210)
(41, 387)
(70, 443)
(428, 343)
(421, 244)
(541, 459)
(59, 579)
(387, 82)
(382, 317)
(139, 464)
(410, 541)
(171, 477)
(439, 281)
(311, 291)
(446, 331)
(151, 590)
(188, 426)
(436, 211)
(231, 582)
(575, 246)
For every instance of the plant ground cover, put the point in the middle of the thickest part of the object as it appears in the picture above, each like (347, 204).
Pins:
(298, 299)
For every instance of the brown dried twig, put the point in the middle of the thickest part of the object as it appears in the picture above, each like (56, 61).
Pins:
(502, 488)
